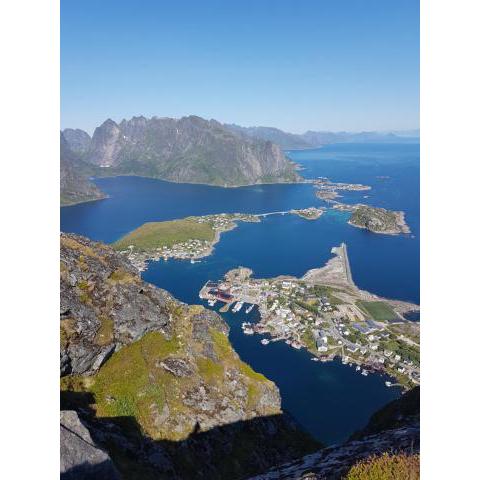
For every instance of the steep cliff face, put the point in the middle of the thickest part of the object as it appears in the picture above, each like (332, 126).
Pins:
(74, 184)
(157, 381)
(189, 149)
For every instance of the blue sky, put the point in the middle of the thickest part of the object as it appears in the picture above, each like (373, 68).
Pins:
(294, 64)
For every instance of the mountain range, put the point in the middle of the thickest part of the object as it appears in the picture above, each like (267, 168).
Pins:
(190, 150)
(315, 139)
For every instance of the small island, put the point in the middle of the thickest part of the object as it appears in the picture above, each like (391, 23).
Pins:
(325, 312)
(379, 220)
(328, 190)
(311, 213)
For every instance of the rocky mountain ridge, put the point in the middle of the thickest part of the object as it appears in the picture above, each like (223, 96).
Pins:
(315, 139)
(190, 149)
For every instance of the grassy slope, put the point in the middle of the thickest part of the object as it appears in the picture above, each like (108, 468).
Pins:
(132, 383)
(158, 234)
(386, 467)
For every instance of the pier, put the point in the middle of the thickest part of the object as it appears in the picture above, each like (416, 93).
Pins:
(346, 263)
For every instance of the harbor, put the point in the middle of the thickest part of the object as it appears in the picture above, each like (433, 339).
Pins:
(324, 313)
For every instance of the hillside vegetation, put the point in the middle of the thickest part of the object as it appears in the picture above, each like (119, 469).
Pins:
(154, 235)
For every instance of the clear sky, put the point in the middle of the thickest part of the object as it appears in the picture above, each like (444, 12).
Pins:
(294, 64)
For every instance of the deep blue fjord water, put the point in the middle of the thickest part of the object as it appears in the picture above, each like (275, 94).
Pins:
(330, 400)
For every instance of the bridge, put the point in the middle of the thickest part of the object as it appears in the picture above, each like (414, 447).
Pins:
(272, 213)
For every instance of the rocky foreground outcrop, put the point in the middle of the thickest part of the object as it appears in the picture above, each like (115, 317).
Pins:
(190, 149)
(156, 382)
(80, 458)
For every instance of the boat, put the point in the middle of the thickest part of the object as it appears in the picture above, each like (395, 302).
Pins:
(314, 359)
(364, 373)
(358, 368)
(237, 307)
(265, 341)
(248, 331)
(212, 302)
(250, 308)
(388, 384)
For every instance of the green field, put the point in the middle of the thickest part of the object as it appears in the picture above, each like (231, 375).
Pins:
(159, 234)
(378, 310)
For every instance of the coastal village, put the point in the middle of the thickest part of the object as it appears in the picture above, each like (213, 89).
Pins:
(331, 320)
(192, 238)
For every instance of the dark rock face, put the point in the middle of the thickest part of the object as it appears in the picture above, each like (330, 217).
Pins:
(80, 457)
(189, 149)
(78, 140)
(74, 184)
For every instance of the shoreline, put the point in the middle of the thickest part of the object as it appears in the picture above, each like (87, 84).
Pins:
(140, 258)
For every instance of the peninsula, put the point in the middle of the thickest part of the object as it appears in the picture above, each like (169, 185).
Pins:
(325, 312)
(190, 238)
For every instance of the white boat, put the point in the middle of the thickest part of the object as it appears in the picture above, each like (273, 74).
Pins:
(237, 307)
(364, 373)
(265, 341)
(248, 331)
(314, 359)
(250, 308)
(388, 384)
(358, 368)
(212, 302)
